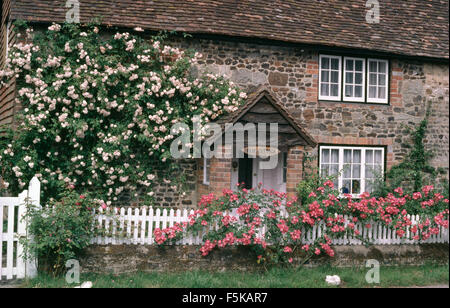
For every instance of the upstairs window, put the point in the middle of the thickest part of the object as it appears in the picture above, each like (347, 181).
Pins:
(378, 81)
(353, 79)
(330, 78)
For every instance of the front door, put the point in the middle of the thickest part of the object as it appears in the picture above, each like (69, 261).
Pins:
(248, 171)
(245, 172)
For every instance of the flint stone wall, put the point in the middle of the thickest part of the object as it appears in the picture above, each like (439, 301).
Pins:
(121, 259)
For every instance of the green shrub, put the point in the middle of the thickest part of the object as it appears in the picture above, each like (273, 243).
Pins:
(60, 230)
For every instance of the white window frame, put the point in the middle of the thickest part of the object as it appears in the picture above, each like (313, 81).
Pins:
(361, 99)
(206, 171)
(377, 100)
(329, 97)
(341, 163)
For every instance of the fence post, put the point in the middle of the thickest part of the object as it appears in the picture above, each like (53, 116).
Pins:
(34, 197)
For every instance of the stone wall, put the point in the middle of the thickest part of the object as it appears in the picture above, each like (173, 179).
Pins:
(131, 258)
(292, 74)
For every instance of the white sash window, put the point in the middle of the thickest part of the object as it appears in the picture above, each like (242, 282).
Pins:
(354, 169)
(353, 79)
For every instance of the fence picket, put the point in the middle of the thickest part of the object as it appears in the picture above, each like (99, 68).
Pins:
(135, 226)
(150, 226)
(143, 225)
(129, 222)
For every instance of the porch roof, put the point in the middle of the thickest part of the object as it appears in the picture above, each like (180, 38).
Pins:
(263, 93)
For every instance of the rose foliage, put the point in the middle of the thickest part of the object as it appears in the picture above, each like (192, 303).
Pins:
(237, 218)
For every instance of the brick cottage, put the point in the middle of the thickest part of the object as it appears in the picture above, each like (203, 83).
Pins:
(341, 89)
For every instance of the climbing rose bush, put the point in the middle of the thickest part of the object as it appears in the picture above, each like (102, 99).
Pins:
(97, 110)
(237, 218)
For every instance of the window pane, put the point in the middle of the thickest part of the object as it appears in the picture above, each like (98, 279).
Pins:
(378, 157)
(349, 77)
(382, 67)
(359, 65)
(325, 63)
(358, 91)
(347, 156)
(369, 171)
(382, 92)
(325, 156)
(372, 92)
(358, 78)
(334, 90)
(356, 187)
(324, 89)
(347, 174)
(356, 171)
(346, 186)
(382, 80)
(369, 156)
(334, 169)
(349, 91)
(334, 77)
(356, 156)
(373, 79)
(324, 169)
(369, 186)
(325, 76)
(349, 65)
(335, 64)
(376, 170)
(372, 66)
(335, 156)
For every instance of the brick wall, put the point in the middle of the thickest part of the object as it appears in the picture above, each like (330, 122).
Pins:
(220, 174)
(294, 169)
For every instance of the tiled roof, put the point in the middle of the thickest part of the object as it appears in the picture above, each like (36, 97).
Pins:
(407, 27)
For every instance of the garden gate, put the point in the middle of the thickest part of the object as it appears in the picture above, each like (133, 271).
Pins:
(12, 263)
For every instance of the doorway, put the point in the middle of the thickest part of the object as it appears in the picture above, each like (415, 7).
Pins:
(247, 170)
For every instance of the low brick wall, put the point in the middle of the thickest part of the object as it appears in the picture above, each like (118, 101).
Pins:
(130, 258)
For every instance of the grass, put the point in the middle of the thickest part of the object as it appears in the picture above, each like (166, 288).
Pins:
(275, 278)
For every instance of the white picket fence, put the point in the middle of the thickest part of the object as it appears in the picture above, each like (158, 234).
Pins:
(136, 226)
(12, 263)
